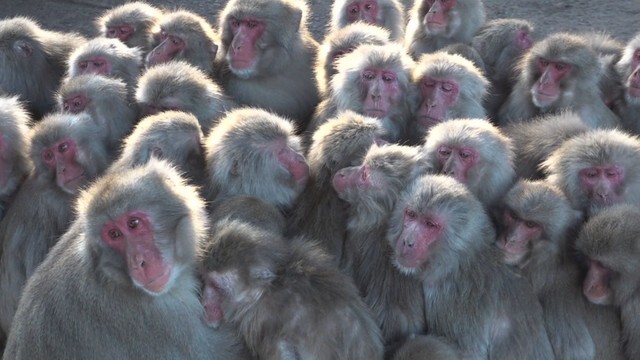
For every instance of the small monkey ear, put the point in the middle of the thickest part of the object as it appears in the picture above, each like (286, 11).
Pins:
(214, 50)
(262, 273)
(235, 168)
(156, 151)
(184, 232)
(23, 48)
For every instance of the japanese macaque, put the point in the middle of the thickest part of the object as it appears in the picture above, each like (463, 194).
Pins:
(105, 99)
(122, 283)
(319, 214)
(274, 289)
(371, 189)
(611, 242)
(501, 43)
(34, 60)
(183, 35)
(628, 71)
(449, 87)
(269, 56)
(174, 136)
(255, 152)
(340, 42)
(475, 153)
(533, 141)
(557, 73)
(132, 23)
(597, 169)
(387, 14)
(535, 224)
(434, 24)
(66, 156)
(107, 57)
(14, 139)
(609, 51)
(424, 347)
(373, 81)
(179, 86)
(441, 236)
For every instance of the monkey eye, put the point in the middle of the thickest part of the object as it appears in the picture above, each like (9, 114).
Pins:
(98, 63)
(77, 102)
(133, 223)
(410, 214)
(388, 77)
(251, 24)
(111, 32)
(612, 173)
(530, 224)
(65, 105)
(83, 64)
(591, 173)
(47, 155)
(338, 54)
(368, 75)
(560, 66)
(114, 233)
(368, 7)
(444, 151)
(163, 34)
(446, 87)
(63, 147)
(234, 23)
(544, 62)
(465, 154)
(428, 83)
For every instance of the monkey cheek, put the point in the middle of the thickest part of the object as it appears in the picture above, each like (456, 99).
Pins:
(544, 96)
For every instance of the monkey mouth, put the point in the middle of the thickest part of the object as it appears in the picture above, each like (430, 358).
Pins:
(428, 121)
(72, 185)
(634, 90)
(157, 284)
(377, 113)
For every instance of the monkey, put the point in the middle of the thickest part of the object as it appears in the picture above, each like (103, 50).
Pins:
(14, 139)
(340, 42)
(251, 276)
(609, 241)
(627, 106)
(426, 347)
(131, 258)
(449, 87)
(319, 213)
(609, 51)
(254, 152)
(250, 210)
(596, 169)
(535, 140)
(442, 237)
(434, 24)
(387, 14)
(535, 224)
(373, 81)
(132, 23)
(105, 100)
(558, 73)
(371, 189)
(108, 57)
(176, 85)
(34, 62)
(268, 55)
(475, 153)
(174, 136)
(66, 156)
(501, 43)
(183, 35)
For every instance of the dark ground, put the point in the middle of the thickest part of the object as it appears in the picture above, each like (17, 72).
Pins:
(617, 17)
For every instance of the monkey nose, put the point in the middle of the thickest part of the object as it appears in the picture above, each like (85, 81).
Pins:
(408, 243)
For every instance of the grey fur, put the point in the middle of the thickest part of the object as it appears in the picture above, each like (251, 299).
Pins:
(627, 106)
(426, 347)
(390, 17)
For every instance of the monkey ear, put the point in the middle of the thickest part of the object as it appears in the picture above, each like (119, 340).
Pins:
(156, 151)
(235, 168)
(214, 50)
(23, 48)
(296, 19)
(184, 232)
(262, 273)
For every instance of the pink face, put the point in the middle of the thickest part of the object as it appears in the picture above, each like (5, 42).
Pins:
(419, 232)
(351, 177)
(517, 237)
(294, 163)
(95, 65)
(121, 32)
(596, 286)
(523, 40)
(382, 92)
(633, 83)
(62, 157)
(438, 97)
(171, 45)
(131, 235)
(213, 294)
(75, 103)
(363, 10)
(603, 184)
(547, 89)
(437, 18)
(242, 53)
(456, 161)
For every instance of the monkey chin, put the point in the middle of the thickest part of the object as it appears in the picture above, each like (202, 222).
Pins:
(542, 101)
(244, 72)
(404, 269)
(160, 285)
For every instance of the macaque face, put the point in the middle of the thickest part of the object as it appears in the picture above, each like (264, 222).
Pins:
(122, 32)
(243, 53)
(633, 82)
(382, 92)
(95, 65)
(171, 45)
(363, 10)
(419, 232)
(61, 157)
(438, 97)
(517, 237)
(349, 181)
(603, 184)
(597, 283)
(293, 163)
(547, 90)
(132, 236)
(523, 40)
(75, 103)
(437, 18)
(456, 161)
